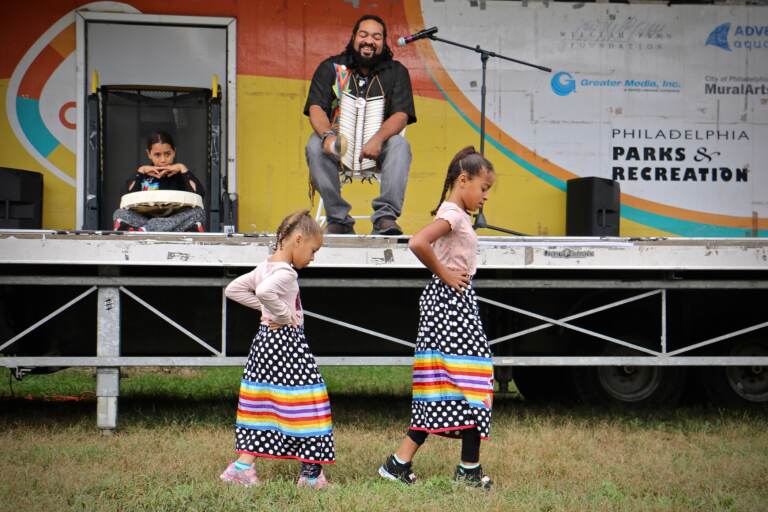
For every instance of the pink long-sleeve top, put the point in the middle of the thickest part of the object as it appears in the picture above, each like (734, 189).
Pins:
(273, 288)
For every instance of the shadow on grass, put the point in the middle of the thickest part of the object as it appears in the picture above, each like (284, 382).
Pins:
(363, 410)
(149, 411)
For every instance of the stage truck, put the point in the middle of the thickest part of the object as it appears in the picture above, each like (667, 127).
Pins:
(668, 103)
(605, 320)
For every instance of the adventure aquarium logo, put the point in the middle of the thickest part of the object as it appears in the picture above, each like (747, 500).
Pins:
(750, 37)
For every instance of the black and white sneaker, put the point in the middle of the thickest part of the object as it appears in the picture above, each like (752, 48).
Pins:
(473, 477)
(393, 470)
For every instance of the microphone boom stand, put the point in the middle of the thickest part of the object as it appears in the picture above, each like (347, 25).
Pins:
(484, 56)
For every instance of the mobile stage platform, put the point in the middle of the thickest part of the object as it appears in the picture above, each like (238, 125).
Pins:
(616, 319)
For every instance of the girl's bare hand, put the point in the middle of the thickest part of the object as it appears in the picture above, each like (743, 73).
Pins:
(170, 170)
(456, 279)
(274, 325)
(150, 170)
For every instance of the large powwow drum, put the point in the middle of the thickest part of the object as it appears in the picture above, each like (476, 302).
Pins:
(359, 120)
(160, 203)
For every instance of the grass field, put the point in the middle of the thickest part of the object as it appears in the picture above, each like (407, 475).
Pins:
(175, 437)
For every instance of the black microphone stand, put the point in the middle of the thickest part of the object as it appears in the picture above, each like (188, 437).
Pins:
(480, 222)
(484, 56)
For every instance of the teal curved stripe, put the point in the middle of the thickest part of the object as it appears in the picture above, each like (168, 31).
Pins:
(670, 224)
(552, 180)
(685, 227)
(28, 112)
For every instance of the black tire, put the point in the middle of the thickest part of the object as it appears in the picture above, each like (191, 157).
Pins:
(502, 375)
(543, 383)
(631, 386)
(739, 385)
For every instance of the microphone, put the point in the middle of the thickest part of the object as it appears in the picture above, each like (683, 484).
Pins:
(415, 37)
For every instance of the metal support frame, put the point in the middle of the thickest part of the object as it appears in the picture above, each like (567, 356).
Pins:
(218, 182)
(45, 319)
(564, 322)
(108, 360)
(661, 358)
(218, 362)
(108, 355)
(107, 345)
(171, 321)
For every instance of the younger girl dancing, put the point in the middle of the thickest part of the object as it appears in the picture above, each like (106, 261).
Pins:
(283, 411)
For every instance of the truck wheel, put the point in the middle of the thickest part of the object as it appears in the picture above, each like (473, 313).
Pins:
(739, 385)
(636, 386)
(542, 383)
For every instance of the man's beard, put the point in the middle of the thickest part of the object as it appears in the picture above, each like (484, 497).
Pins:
(366, 62)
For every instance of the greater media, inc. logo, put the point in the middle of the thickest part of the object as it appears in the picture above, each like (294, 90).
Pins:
(563, 83)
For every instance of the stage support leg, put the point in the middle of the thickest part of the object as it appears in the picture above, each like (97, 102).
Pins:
(107, 345)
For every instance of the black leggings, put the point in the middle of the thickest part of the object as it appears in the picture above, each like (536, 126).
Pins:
(470, 442)
(310, 470)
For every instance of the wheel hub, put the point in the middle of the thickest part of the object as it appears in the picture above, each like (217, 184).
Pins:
(749, 382)
(629, 383)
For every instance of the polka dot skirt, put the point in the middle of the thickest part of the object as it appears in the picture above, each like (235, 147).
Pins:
(450, 328)
(283, 411)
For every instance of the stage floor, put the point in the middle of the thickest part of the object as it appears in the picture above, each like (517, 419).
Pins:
(358, 251)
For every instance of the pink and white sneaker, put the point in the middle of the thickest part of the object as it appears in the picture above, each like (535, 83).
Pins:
(313, 483)
(245, 477)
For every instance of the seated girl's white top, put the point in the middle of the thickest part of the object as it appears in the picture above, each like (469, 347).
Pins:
(273, 288)
(458, 249)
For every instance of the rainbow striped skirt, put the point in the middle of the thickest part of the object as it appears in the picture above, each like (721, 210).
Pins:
(283, 410)
(452, 368)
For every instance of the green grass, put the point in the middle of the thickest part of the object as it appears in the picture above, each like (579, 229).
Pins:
(175, 437)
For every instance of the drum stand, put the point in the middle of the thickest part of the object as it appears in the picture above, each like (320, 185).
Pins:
(484, 56)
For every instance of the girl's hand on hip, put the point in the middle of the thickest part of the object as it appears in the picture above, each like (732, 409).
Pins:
(456, 279)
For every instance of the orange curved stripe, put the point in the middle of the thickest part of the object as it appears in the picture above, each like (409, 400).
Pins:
(64, 43)
(39, 72)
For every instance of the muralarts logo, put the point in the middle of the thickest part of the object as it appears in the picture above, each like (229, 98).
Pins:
(569, 253)
(563, 83)
(744, 36)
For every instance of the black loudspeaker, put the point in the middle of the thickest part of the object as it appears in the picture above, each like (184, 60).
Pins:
(593, 207)
(21, 199)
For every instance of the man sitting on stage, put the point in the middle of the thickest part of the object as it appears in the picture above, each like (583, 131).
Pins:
(365, 69)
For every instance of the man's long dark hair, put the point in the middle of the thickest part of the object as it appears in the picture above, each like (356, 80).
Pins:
(386, 52)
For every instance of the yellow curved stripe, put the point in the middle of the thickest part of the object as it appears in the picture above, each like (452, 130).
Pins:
(63, 159)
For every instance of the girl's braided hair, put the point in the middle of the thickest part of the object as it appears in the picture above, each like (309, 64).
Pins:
(301, 220)
(160, 138)
(468, 161)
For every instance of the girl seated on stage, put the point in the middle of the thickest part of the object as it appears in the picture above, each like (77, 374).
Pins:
(163, 174)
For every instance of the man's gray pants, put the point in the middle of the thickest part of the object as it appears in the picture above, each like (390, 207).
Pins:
(395, 163)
